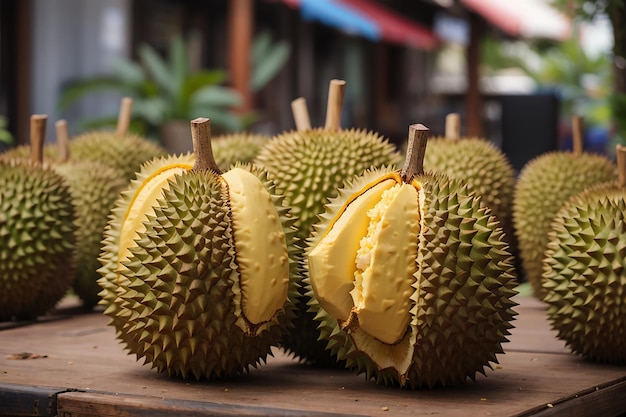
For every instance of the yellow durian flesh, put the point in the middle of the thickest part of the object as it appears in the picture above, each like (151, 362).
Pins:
(260, 246)
(143, 203)
(350, 271)
(333, 259)
(386, 264)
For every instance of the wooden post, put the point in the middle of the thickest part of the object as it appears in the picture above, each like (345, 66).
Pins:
(334, 107)
(124, 116)
(453, 126)
(37, 137)
(301, 114)
(240, 29)
(577, 135)
(473, 97)
(63, 140)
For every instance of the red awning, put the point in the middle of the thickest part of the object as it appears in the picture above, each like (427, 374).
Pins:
(369, 19)
(395, 28)
(523, 18)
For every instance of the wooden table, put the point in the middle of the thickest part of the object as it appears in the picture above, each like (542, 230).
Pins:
(83, 371)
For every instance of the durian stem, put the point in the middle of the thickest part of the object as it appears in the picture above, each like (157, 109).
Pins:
(63, 140)
(414, 162)
(301, 114)
(577, 135)
(37, 137)
(124, 116)
(201, 136)
(336, 92)
(620, 152)
(453, 126)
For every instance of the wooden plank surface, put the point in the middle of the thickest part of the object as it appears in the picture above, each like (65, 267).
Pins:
(79, 352)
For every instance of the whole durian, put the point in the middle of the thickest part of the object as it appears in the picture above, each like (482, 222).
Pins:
(36, 233)
(543, 186)
(203, 276)
(309, 165)
(119, 150)
(237, 147)
(479, 163)
(94, 188)
(584, 271)
(411, 276)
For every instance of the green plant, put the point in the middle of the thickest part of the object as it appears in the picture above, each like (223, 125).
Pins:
(5, 136)
(167, 89)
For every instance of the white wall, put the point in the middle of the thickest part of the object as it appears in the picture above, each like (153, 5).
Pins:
(75, 38)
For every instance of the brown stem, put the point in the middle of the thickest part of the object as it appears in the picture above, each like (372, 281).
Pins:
(201, 136)
(620, 152)
(336, 92)
(453, 126)
(301, 114)
(414, 162)
(124, 116)
(37, 136)
(577, 135)
(63, 140)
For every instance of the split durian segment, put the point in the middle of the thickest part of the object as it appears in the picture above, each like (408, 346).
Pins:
(438, 312)
(584, 274)
(190, 280)
(544, 185)
(37, 239)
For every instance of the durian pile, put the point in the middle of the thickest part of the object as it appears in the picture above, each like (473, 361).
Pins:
(584, 270)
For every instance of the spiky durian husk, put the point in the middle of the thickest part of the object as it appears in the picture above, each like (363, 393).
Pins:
(584, 274)
(237, 147)
(481, 165)
(36, 239)
(174, 303)
(464, 285)
(308, 167)
(544, 185)
(110, 246)
(95, 188)
(22, 152)
(125, 154)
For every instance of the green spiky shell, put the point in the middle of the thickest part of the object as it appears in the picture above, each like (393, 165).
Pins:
(112, 233)
(22, 152)
(465, 276)
(584, 276)
(36, 239)
(125, 153)
(481, 165)
(95, 188)
(308, 167)
(543, 186)
(237, 147)
(174, 304)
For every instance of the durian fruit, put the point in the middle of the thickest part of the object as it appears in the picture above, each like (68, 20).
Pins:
(543, 186)
(411, 276)
(94, 188)
(120, 150)
(24, 152)
(309, 165)
(36, 233)
(584, 271)
(484, 167)
(231, 148)
(200, 270)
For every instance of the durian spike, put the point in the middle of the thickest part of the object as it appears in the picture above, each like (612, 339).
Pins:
(453, 126)
(577, 135)
(301, 114)
(63, 140)
(37, 137)
(620, 152)
(201, 136)
(414, 162)
(336, 92)
(124, 116)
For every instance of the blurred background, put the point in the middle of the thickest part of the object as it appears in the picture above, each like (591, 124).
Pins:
(515, 70)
